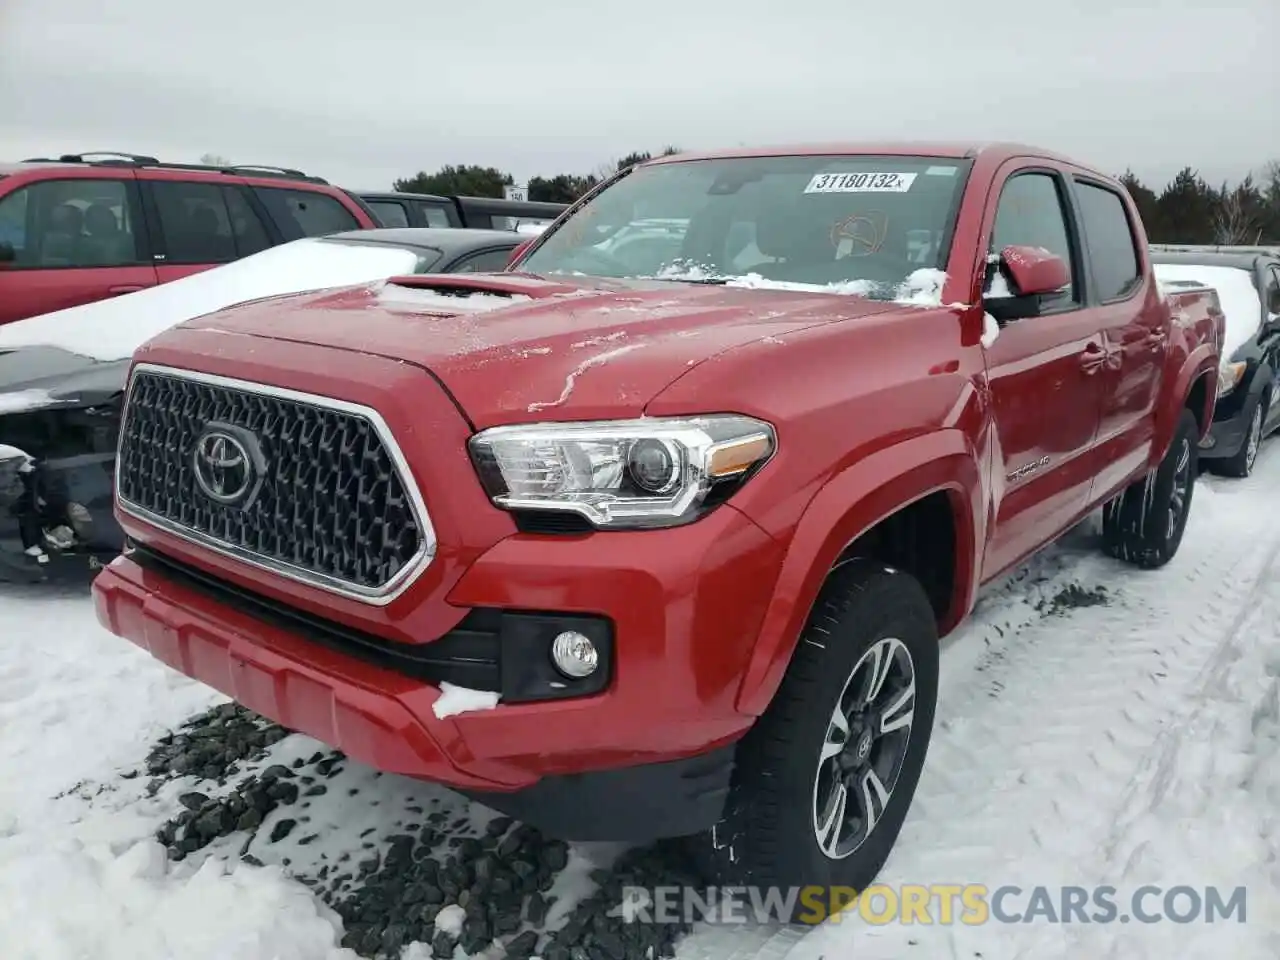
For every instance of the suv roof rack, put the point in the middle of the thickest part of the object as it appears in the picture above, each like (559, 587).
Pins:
(115, 158)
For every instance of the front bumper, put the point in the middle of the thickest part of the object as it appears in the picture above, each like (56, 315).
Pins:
(685, 605)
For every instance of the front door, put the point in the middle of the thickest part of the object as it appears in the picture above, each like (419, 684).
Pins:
(1045, 378)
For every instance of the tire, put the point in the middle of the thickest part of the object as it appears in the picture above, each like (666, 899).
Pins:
(1144, 524)
(1242, 463)
(769, 833)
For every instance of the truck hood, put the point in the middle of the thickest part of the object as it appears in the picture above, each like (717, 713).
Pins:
(514, 348)
(33, 378)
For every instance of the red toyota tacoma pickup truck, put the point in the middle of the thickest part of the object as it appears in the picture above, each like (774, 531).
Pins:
(682, 523)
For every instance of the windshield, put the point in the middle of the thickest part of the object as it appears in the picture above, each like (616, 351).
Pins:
(808, 220)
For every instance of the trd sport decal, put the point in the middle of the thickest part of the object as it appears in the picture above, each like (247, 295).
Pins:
(1027, 469)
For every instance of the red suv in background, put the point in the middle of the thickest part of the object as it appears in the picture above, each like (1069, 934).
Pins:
(86, 227)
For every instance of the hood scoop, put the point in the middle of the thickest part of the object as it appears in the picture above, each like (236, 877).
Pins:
(513, 285)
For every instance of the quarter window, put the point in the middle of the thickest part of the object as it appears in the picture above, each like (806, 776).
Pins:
(305, 213)
(389, 213)
(434, 214)
(489, 261)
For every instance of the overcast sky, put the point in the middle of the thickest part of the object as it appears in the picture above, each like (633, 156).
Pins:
(364, 92)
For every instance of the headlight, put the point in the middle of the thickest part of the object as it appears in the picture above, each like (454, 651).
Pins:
(652, 472)
(1229, 377)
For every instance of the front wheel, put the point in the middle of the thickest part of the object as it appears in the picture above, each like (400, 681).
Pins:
(1145, 523)
(825, 778)
(1241, 464)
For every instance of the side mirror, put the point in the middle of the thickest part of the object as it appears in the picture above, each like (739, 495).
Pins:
(7, 254)
(518, 252)
(1035, 273)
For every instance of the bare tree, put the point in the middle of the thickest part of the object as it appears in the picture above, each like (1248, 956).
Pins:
(1237, 214)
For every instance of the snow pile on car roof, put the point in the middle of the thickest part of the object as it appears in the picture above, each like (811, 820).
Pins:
(113, 329)
(1236, 292)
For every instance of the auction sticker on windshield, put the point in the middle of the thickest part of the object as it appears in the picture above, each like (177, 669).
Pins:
(860, 183)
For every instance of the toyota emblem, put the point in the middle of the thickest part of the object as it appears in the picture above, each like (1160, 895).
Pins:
(226, 470)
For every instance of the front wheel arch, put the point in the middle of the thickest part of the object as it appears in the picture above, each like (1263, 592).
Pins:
(846, 509)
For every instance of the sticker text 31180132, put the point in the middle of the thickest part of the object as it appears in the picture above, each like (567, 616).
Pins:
(860, 183)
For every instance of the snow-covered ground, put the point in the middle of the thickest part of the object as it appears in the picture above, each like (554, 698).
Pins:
(1097, 726)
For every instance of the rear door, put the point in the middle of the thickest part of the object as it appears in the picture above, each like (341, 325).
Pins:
(199, 224)
(1043, 374)
(76, 239)
(1135, 328)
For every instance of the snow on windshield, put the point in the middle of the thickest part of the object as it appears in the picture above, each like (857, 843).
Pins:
(113, 329)
(855, 225)
(1236, 292)
(921, 287)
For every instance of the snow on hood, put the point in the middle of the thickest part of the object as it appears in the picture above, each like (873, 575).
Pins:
(1236, 293)
(20, 401)
(598, 350)
(113, 329)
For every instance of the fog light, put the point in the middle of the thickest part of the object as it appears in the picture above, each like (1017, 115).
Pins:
(574, 654)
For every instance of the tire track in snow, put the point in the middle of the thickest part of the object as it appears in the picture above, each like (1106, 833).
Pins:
(1028, 787)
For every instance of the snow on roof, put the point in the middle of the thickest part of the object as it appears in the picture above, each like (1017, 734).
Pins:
(1236, 292)
(113, 329)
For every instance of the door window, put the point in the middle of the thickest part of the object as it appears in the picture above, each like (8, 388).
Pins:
(1031, 213)
(247, 228)
(1113, 251)
(70, 223)
(195, 222)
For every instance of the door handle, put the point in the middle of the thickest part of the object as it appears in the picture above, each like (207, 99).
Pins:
(125, 288)
(1092, 357)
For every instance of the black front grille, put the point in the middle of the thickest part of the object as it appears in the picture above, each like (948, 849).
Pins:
(331, 506)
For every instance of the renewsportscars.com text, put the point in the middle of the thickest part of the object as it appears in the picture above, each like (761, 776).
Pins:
(938, 903)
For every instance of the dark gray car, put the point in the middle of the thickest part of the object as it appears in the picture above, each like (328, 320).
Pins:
(1248, 405)
(60, 408)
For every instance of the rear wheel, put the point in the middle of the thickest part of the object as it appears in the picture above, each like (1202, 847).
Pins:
(823, 781)
(1144, 524)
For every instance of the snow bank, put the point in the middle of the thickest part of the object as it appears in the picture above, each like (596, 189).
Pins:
(113, 329)
(134, 905)
(1236, 292)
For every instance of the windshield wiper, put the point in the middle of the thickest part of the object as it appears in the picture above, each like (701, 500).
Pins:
(705, 281)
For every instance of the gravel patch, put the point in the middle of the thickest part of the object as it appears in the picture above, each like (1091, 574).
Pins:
(437, 870)
(1073, 596)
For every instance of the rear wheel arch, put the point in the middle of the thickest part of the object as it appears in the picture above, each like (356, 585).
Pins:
(899, 522)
